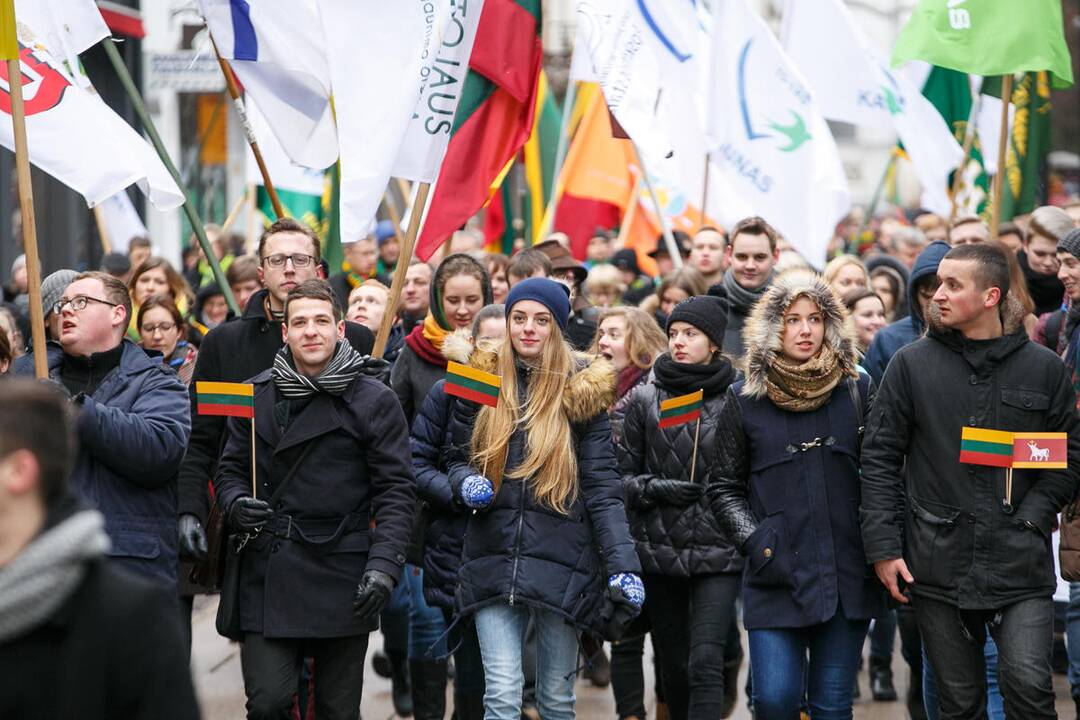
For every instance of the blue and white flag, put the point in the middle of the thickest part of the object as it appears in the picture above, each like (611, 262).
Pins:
(773, 148)
(853, 84)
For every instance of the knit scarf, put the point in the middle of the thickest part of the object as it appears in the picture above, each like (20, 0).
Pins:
(681, 378)
(426, 340)
(741, 297)
(803, 387)
(335, 377)
(48, 570)
(628, 377)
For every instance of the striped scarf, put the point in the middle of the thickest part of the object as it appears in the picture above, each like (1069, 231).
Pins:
(335, 377)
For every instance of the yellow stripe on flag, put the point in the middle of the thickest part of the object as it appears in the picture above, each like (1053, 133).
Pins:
(9, 43)
(682, 400)
(984, 435)
(534, 173)
(224, 388)
(473, 374)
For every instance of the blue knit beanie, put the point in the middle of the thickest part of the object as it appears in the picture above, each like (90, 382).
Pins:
(553, 295)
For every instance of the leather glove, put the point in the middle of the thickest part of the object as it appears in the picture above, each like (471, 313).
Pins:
(477, 492)
(622, 603)
(248, 514)
(376, 369)
(673, 492)
(191, 536)
(372, 594)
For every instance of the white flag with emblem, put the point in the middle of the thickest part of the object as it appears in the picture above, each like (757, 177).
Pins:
(852, 84)
(776, 156)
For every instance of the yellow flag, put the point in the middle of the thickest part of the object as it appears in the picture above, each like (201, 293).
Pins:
(9, 46)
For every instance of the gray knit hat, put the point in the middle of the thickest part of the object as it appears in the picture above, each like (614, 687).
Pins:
(1071, 243)
(52, 288)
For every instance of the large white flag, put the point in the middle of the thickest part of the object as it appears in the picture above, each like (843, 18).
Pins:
(853, 84)
(776, 156)
(71, 133)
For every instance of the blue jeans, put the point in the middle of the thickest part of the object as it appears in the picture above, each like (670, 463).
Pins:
(995, 706)
(501, 631)
(427, 628)
(1072, 637)
(778, 663)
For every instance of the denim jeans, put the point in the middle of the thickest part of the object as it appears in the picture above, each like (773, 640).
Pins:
(995, 706)
(1072, 637)
(627, 674)
(778, 662)
(954, 643)
(501, 631)
(427, 629)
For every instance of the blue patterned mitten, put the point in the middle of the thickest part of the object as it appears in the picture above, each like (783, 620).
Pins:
(477, 492)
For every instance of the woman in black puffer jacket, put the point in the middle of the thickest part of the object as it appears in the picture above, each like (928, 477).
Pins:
(691, 572)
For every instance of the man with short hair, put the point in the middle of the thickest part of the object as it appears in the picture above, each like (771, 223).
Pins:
(386, 240)
(133, 422)
(360, 264)
(969, 230)
(599, 249)
(1011, 236)
(751, 256)
(526, 264)
(664, 262)
(243, 279)
(139, 251)
(905, 245)
(415, 295)
(329, 517)
(972, 546)
(708, 254)
(79, 637)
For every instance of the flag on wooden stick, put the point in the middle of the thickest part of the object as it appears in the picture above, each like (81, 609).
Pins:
(471, 384)
(683, 409)
(228, 399)
(1040, 451)
(979, 446)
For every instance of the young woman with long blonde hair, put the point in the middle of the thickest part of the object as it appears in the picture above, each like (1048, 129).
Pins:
(549, 539)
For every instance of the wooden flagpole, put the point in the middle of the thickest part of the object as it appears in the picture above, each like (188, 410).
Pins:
(234, 213)
(969, 142)
(669, 238)
(254, 483)
(402, 268)
(102, 230)
(1003, 139)
(693, 460)
(704, 193)
(9, 50)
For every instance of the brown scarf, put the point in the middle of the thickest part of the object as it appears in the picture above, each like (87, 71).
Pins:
(803, 387)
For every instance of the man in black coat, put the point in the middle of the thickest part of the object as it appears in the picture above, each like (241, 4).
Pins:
(974, 552)
(79, 636)
(327, 517)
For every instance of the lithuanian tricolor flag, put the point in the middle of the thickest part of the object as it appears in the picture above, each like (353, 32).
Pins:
(979, 446)
(230, 399)
(683, 409)
(1040, 451)
(471, 384)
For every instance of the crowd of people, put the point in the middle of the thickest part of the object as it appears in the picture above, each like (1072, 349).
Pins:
(550, 455)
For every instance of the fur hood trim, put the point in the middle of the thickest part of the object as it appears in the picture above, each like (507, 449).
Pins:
(1012, 316)
(589, 391)
(764, 328)
(457, 346)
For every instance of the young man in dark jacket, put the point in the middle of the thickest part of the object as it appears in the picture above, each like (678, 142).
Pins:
(975, 550)
(79, 637)
(327, 517)
(751, 256)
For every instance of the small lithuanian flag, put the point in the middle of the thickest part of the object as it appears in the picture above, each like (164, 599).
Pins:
(471, 384)
(230, 399)
(979, 446)
(683, 409)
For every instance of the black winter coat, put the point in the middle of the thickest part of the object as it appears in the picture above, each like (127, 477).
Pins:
(519, 551)
(412, 378)
(233, 352)
(676, 541)
(946, 518)
(348, 508)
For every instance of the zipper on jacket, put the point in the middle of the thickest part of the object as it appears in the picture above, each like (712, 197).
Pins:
(517, 544)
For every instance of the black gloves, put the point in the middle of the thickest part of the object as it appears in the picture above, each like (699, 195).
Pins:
(192, 537)
(617, 613)
(248, 514)
(372, 594)
(673, 492)
(376, 369)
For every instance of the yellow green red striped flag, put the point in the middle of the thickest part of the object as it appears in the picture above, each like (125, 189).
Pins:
(683, 409)
(9, 42)
(471, 384)
(222, 398)
(979, 446)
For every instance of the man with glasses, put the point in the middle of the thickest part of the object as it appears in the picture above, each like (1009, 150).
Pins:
(132, 423)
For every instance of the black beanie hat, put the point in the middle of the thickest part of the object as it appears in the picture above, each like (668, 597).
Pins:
(705, 312)
(1071, 243)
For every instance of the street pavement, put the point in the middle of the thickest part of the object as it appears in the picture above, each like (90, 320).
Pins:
(216, 667)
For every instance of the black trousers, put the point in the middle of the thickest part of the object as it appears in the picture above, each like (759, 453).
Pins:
(692, 622)
(627, 675)
(272, 671)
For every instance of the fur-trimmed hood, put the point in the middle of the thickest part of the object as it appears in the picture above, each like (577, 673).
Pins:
(764, 328)
(589, 392)
(1012, 316)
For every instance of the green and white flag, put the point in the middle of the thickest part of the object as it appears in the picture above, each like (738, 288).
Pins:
(1028, 144)
(988, 37)
(950, 93)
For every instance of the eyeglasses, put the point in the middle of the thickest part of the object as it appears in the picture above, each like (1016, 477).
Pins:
(299, 260)
(163, 327)
(78, 303)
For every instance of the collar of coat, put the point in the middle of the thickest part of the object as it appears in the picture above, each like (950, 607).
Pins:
(589, 392)
(1013, 334)
(764, 330)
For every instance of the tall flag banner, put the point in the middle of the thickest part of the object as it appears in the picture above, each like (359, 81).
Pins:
(774, 151)
(539, 153)
(979, 446)
(1028, 144)
(852, 84)
(988, 38)
(227, 399)
(71, 133)
(471, 384)
(1040, 451)
(679, 410)
(494, 117)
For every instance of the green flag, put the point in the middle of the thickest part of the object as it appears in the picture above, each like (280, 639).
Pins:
(988, 37)
(950, 93)
(1029, 142)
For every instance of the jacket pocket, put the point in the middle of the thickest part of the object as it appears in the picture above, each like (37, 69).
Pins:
(1022, 407)
(1027, 561)
(940, 544)
(769, 562)
(133, 544)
